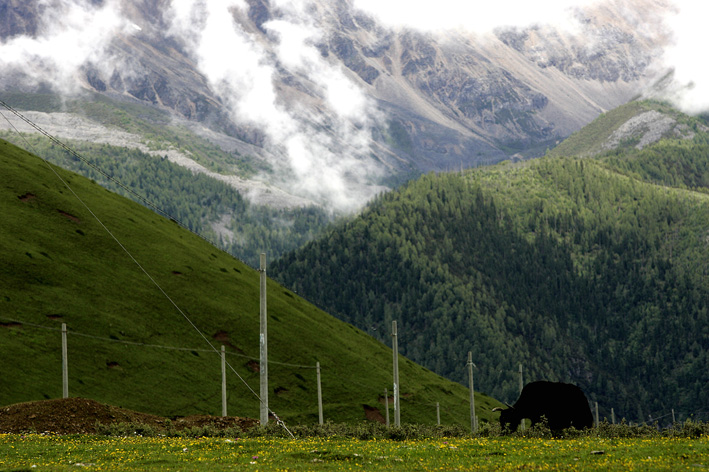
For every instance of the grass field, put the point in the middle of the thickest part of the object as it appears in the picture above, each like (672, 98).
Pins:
(129, 344)
(38, 452)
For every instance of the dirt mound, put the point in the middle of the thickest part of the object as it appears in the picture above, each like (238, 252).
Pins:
(84, 416)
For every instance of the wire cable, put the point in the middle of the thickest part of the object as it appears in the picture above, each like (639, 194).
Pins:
(71, 151)
(122, 246)
(156, 346)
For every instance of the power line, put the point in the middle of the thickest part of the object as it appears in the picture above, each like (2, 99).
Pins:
(156, 346)
(127, 252)
(71, 151)
(140, 198)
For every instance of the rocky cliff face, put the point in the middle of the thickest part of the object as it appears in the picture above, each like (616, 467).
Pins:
(442, 102)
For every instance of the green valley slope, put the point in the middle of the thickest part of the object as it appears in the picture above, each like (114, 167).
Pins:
(137, 166)
(130, 346)
(592, 271)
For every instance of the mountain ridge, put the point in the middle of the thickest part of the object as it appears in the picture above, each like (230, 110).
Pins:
(460, 99)
(585, 270)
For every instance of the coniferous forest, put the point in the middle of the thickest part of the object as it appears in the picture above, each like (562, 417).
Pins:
(200, 203)
(586, 270)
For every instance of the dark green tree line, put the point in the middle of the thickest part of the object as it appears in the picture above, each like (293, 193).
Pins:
(567, 266)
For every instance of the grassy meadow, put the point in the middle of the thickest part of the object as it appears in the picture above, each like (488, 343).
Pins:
(38, 452)
(133, 346)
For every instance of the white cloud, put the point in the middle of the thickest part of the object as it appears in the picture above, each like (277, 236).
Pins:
(71, 35)
(326, 151)
(685, 56)
(321, 127)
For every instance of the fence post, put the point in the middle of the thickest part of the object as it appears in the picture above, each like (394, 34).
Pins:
(473, 419)
(598, 423)
(397, 404)
(521, 387)
(673, 417)
(320, 415)
(223, 381)
(264, 344)
(386, 399)
(438, 413)
(65, 364)
(613, 415)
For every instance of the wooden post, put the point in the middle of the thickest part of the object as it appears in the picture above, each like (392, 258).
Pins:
(438, 413)
(521, 387)
(386, 399)
(473, 419)
(264, 345)
(320, 415)
(598, 423)
(65, 364)
(223, 381)
(397, 405)
(673, 417)
(613, 415)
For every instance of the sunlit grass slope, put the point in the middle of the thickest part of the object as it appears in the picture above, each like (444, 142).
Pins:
(60, 265)
(593, 139)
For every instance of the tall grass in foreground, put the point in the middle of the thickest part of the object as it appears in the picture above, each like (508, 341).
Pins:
(40, 452)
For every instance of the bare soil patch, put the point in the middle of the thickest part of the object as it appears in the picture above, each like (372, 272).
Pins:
(84, 416)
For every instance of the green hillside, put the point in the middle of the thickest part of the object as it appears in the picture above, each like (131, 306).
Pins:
(201, 203)
(592, 271)
(60, 265)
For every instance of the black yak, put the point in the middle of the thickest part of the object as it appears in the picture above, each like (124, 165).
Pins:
(563, 405)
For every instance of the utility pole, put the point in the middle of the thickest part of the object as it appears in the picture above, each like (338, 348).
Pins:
(264, 344)
(397, 405)
(521, 387)
(65, 364)
(223, 381)
(320, 414)
(473, 419)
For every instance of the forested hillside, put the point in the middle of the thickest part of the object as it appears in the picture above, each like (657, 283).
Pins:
(204, 205)
(592, 271)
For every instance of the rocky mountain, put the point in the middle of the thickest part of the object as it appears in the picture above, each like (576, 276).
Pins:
(414, 101)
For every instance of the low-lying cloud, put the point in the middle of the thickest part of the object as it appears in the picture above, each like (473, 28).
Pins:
(322, 134)
(318, 127)
(684, 56)
(319, 131)
(73, 34)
